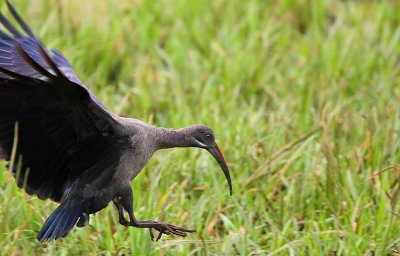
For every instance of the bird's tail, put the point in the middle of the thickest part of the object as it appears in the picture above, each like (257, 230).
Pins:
(62, 220)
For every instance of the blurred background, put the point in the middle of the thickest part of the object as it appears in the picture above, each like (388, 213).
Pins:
(303, 97)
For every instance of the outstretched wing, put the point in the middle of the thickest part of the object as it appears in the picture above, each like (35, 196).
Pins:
(63, 132)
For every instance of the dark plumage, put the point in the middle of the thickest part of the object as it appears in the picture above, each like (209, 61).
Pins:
(71, 148)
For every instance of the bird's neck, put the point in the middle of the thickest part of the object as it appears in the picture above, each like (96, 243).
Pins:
(171, 138)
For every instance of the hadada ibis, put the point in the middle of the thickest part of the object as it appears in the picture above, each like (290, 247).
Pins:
(69, 148)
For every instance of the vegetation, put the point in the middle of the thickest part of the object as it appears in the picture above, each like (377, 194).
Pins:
(303, 97)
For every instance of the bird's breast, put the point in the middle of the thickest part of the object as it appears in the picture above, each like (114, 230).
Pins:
(139, 163)
(133, 161)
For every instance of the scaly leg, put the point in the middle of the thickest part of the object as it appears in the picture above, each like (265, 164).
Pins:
(125, 202)
(121, 217)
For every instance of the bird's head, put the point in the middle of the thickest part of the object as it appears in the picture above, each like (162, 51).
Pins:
(202, 136)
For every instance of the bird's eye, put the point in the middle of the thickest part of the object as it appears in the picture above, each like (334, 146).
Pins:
(208, 136)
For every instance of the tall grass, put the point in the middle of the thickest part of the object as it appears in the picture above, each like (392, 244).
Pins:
(303, 97)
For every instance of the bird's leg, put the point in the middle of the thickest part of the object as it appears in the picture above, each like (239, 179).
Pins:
(126, 201)
(121, 217)
(83, 220)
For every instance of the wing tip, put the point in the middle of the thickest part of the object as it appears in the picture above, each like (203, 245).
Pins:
(20, 21)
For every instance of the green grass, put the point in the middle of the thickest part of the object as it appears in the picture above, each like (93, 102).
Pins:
(303, 97)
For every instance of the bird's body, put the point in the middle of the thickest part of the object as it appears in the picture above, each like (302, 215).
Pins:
(67, 146)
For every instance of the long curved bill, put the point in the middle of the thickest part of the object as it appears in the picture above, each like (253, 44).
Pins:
(217, 154)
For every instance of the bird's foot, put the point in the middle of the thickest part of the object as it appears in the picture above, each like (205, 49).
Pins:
(169, 229)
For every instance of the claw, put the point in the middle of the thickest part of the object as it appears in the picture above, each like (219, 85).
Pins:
(159, 236)
(151, 234)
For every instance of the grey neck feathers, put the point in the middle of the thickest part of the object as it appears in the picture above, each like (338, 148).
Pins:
(170, 138)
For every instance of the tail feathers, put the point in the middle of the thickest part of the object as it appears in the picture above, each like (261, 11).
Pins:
(61, 221)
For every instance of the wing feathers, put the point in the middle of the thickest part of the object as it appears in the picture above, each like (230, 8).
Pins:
(36, 66)
(13, 74)
(65, 134)
(48, 60)
(19, 20)
(9, 26)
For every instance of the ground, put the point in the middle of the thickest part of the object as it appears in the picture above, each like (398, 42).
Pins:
(303, 97)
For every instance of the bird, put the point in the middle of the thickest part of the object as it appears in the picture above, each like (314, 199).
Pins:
(61, 143)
